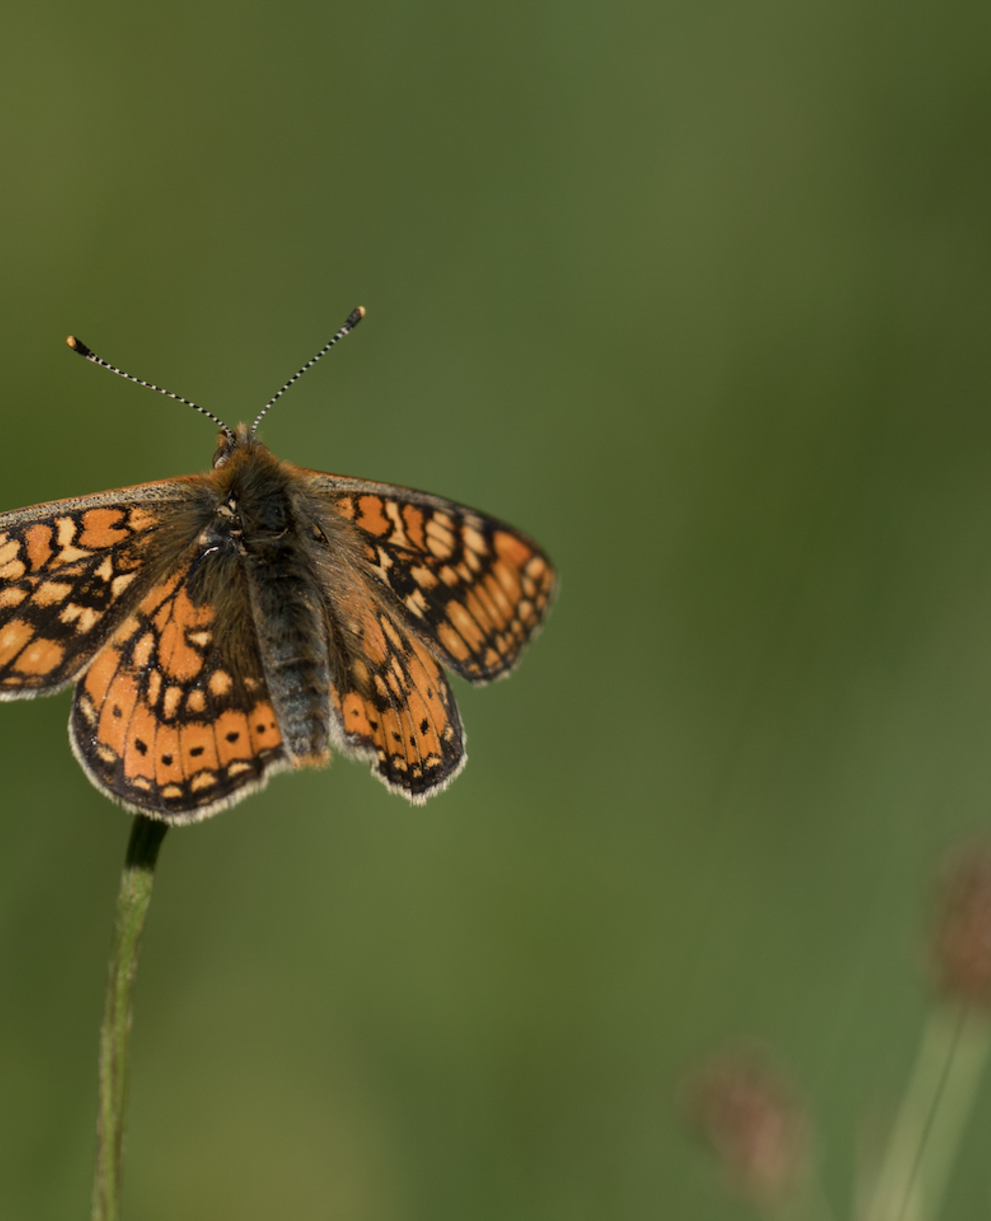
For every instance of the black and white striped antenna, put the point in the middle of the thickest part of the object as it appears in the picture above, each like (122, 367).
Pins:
(352, 321)
(77, 345)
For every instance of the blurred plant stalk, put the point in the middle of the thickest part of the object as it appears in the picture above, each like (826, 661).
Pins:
(912, 1179)
(762, 1135)
(911, 1182)
(132, 907)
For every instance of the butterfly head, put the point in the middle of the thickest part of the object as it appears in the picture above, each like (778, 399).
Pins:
(240, 440)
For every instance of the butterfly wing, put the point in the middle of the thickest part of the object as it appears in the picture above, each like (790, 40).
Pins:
(473, 589)
(102, 589)
(414, 582)
(173, 717)
(69, 572)
(390, 701)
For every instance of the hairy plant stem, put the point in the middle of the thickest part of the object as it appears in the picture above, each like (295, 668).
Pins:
(132, 907)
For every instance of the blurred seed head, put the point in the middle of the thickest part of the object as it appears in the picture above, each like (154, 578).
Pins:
(962, 943)
(751, 1116)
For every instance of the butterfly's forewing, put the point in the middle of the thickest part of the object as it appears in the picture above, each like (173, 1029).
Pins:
(472, 588)
(69, 572)
(173, 716)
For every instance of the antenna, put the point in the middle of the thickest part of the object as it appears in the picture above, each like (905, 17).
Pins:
(77, 345)
(353, 319)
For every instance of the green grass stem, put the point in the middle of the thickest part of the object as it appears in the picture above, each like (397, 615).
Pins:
(132, 907)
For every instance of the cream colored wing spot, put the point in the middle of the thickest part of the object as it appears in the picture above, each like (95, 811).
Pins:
(50, 592)
(220, 683)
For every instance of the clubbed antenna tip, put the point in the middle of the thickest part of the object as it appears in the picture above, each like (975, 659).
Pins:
(350, 323)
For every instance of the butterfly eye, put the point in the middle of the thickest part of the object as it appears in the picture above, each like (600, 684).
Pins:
(225, 443)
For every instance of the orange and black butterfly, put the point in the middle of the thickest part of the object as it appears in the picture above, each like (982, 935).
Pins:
(226, 626)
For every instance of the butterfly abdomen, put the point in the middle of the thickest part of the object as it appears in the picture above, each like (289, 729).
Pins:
(285, 606)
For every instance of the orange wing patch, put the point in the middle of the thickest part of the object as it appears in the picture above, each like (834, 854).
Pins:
(161, 724)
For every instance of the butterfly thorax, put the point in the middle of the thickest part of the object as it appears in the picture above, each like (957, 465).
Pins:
(252, 495)
(255, 566)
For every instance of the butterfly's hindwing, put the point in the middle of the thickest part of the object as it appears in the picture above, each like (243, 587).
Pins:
(164, 720)
(391, 701)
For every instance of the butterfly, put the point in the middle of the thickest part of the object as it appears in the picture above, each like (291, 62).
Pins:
(223, 627)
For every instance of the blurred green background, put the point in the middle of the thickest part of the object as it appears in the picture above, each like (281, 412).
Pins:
(699, 295)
